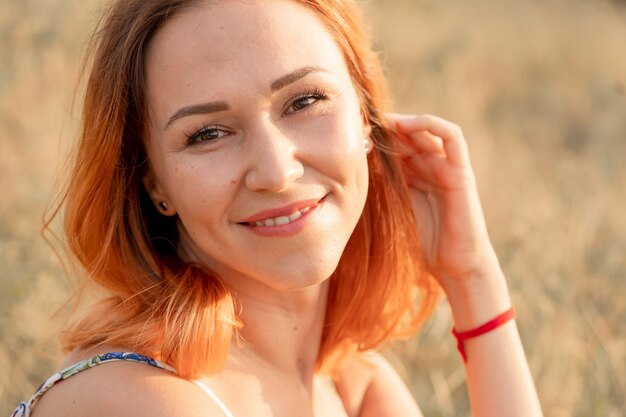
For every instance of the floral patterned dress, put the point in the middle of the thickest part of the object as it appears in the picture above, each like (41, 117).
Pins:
(24, 408)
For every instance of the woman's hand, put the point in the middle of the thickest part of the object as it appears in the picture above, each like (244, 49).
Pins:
(444, 196)
(460, 255)
(446, 205)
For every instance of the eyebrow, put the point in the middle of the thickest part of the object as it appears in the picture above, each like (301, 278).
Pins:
(292, 77)
(219, 106)
(202, 108)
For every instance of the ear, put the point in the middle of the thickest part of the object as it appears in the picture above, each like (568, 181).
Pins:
(368, 142)
(159, 197)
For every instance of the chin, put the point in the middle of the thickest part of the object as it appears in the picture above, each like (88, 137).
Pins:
(303, 275)
(297, 281)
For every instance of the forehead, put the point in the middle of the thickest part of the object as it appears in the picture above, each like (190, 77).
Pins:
(218, 46)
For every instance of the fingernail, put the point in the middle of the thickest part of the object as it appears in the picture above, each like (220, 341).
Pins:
(403, 118)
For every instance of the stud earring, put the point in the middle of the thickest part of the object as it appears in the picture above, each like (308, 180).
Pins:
(367, 144)
(163, 205)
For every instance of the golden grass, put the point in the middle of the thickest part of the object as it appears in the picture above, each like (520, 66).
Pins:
(540, 90)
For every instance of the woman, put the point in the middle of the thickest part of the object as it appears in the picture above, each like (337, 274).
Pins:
(258, 224)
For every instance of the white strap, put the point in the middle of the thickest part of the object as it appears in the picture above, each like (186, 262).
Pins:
(215, 399)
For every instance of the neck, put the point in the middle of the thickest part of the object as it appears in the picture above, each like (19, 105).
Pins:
(282, 331)
(282, 328)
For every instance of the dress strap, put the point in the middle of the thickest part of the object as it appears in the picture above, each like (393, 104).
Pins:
(215, 398)
(24, 408)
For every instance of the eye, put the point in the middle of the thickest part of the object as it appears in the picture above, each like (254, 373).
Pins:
(302, 103)
(305, 100)
(206, 134)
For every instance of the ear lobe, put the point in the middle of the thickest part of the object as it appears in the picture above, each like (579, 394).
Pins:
(368, 142)
(157, 195)
(368, 145)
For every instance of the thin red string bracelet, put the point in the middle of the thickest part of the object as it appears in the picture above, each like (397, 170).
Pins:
(485, 328)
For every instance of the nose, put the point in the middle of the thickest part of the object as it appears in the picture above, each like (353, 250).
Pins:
(273, 159)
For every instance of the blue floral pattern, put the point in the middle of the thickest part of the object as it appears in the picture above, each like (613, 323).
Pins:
(24, 408)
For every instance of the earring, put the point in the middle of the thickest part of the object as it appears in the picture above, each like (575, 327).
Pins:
(163, 205)
(367, 144)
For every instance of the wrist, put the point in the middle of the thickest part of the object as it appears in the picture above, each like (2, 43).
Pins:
(488, 327)
(478, 298)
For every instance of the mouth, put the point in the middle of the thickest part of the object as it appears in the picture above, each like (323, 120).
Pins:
(282, 216)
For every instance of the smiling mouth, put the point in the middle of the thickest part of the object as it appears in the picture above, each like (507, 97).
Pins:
(284, 216)
(280, 220)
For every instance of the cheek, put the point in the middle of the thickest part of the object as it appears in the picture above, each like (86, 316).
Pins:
(199, 186)
(340, 147)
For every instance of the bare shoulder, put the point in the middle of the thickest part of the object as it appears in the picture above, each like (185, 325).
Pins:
(123, 389)
(370, 386)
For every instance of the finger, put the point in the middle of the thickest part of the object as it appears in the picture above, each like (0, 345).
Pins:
(394, 118)
(420, 185)
(453, 141)
(425, 168)
(404, 146)
(423, 142)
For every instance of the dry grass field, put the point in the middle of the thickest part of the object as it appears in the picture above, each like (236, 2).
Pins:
(540, 90)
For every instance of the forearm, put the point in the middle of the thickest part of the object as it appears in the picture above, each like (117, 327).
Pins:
(445, 201)
(498, 377)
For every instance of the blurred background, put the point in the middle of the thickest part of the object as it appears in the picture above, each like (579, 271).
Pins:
(539, 88)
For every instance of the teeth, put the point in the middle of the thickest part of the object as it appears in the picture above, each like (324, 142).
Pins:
(268, 222)
(279, 221)
(295, 216)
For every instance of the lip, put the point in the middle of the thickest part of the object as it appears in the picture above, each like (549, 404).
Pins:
(288, 229)
(282, 211)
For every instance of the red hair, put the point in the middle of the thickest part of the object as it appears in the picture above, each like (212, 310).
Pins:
(182, 313)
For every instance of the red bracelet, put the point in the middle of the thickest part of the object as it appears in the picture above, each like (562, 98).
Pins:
(485, 328)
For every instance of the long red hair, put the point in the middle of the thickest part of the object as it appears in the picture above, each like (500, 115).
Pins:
(181, 313)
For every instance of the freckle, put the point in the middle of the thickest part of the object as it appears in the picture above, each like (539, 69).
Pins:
(295, 328)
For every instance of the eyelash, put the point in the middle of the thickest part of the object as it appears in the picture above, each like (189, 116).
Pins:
(196, 137)
(316, 93)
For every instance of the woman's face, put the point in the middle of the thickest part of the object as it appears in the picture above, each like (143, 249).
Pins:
(256, 141)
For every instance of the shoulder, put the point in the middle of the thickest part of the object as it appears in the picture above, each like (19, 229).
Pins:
(123, 389)
(370, 386)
